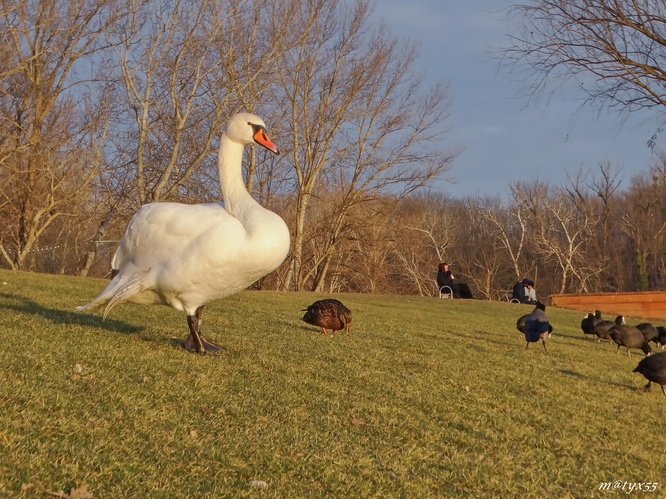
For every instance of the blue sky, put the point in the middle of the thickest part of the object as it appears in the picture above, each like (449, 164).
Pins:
(506, 137)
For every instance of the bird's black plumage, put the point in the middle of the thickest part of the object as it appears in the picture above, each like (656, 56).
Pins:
(653, 368)
(649, 332)
(629, 337)
(661, 338)
(601, 328)
(589, 321)
(535, 326)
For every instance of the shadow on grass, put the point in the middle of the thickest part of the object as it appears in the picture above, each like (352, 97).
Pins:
(599, 380)
(316, 330)
(480, 337)
(25, 305)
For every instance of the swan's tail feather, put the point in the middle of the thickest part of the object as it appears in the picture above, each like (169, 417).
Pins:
(120, 289)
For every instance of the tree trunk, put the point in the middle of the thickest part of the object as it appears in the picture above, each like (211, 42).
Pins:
(641, 272)
(91, 255)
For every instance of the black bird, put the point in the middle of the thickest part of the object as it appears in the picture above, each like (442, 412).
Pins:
(520, 323)
(654, 370)
(629, 337)
(661, 339)
(328, 314)
(589, 321)
(650, 332)
(535, 326)
(601, 328)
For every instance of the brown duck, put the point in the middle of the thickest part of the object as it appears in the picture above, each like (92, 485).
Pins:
(328, 314)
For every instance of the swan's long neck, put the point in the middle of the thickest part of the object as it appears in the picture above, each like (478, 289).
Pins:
(267, 237)
(234, 193)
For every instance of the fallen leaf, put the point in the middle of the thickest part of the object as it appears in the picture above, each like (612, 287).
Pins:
(80, 493)
(357, 422)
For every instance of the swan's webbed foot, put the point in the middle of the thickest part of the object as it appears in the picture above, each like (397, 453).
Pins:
(207, 346)
(189, 344)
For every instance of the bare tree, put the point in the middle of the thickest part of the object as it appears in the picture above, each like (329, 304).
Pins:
(359, 119)
(53, 132)
(510, 229)
(370, 249)
(593, 197)
(427, 231)
(493, 244)
(645, 224)
(560, 233)
(613, 49)
(174, 107)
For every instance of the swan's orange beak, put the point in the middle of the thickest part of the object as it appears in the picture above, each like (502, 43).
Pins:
(261, 138)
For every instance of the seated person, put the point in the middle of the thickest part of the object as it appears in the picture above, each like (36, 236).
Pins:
(521, 291)
(445, 278)
(530, 292)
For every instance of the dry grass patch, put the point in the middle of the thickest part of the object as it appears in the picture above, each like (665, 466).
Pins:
(425, 398)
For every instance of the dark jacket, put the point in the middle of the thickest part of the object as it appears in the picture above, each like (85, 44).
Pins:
(519, 292)
(444, 279)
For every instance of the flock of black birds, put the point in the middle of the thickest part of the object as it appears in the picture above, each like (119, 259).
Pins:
(332, 314)
(536, 326)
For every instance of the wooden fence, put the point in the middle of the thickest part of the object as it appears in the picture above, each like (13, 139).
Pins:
(646, 305)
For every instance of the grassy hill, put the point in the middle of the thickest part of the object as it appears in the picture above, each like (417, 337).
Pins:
(425, 398)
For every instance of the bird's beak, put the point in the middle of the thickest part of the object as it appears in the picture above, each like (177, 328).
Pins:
(261, 138)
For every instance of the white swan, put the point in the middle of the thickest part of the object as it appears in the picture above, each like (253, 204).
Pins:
(186, 255)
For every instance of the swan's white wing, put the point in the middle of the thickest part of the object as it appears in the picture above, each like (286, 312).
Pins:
(177, 255)
(170, 235)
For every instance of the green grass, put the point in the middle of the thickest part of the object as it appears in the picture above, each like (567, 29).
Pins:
(425, 398)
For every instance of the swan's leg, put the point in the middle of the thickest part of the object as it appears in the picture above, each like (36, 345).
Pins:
(208, 345)
(193, 341)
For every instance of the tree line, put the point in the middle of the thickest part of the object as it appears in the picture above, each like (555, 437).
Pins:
(106, 105)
